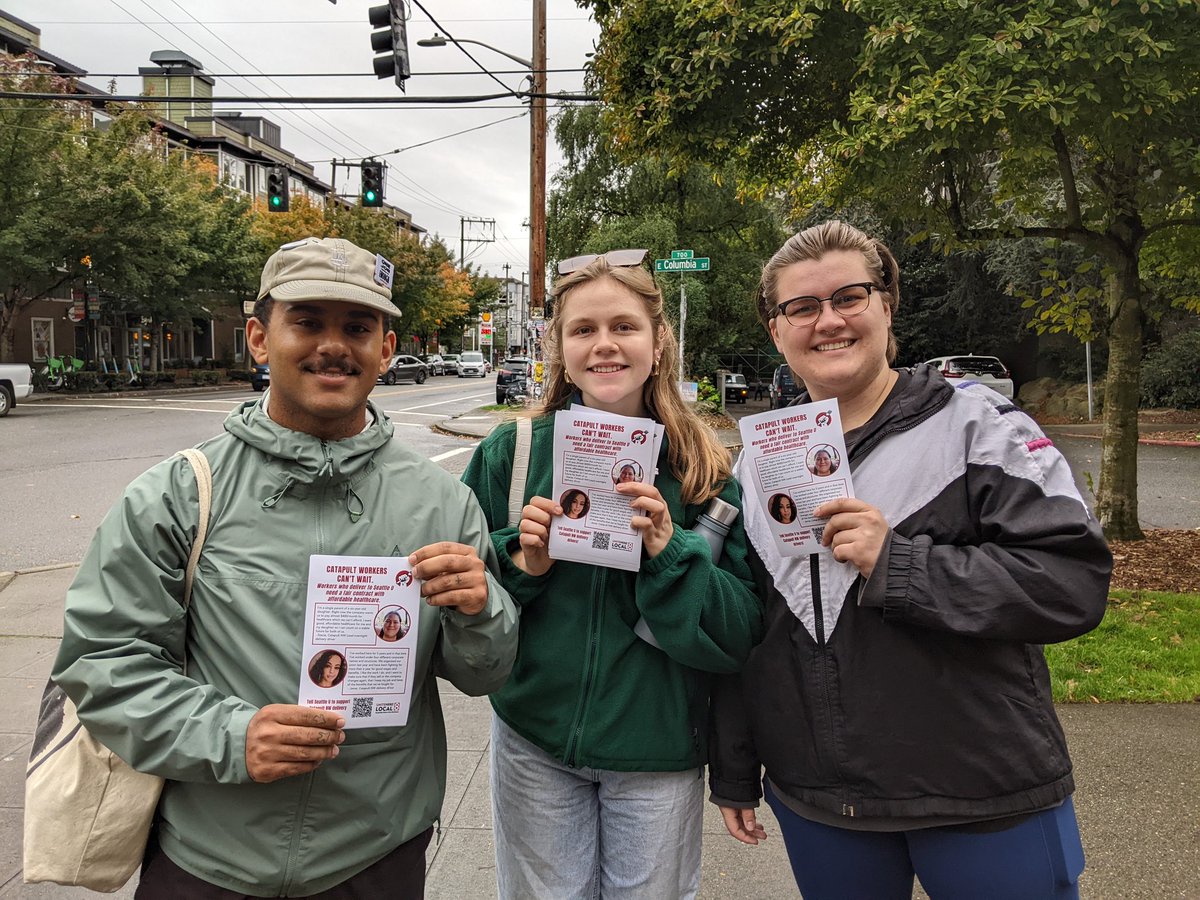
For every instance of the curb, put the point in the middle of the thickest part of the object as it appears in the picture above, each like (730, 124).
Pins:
(7, 578)
(1151, 442)
(39, 396)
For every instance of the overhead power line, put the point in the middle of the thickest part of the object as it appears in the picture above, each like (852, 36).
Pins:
(361, 101)
(316, 74)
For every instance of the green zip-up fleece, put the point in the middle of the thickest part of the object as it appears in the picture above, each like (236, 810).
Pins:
(585, 688)
(278, 497)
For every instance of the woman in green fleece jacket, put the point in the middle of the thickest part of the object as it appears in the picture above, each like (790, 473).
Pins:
(598, 736)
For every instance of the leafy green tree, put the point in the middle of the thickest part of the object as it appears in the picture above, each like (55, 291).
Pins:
(38, 152)
(1071, 120)
(155, 224)
(599, 202)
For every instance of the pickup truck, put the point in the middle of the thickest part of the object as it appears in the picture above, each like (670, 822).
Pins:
(16, 383)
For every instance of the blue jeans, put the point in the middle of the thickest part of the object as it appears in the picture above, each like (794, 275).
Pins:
(587, 833)
(1040, 858)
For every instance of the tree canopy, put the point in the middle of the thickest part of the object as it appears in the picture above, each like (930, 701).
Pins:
(599, 202)
(152, 229)
(1072, 120)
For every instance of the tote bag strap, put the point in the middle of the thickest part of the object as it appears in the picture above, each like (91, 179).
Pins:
(520, 470)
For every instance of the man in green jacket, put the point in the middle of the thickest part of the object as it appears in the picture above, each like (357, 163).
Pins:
(263, 797)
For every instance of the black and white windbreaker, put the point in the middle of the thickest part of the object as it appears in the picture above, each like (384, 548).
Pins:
(922, 693)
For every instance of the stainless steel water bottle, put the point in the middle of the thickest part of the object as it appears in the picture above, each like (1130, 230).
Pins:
(714, 524)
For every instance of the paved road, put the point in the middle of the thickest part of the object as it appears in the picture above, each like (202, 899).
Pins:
(1138, 797)
(63, 462)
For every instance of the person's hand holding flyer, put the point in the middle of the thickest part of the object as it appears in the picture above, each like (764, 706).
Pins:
(593, 453)
(360, 635)
(797, 457)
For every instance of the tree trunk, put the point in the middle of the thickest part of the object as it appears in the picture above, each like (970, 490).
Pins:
(8, 336)
(1116, 502)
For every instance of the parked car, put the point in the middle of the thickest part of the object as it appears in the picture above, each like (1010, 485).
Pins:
(471, 363)
(260, 376)
(405, 368)
(450, 361)
(517, 367)
(784, 388)
(736, 389)
(435, 363)
(987, 370)
(16, 383)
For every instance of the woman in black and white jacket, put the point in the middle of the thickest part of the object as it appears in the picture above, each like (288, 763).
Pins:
(900, 702)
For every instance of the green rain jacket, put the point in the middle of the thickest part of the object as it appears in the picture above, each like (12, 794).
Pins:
(278, 496)
(585, 688)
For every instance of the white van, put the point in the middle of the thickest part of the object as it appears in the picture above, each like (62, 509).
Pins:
(471, 363)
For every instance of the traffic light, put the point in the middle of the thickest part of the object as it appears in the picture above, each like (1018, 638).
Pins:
(373, 173)
(392, 41)
(277, 189)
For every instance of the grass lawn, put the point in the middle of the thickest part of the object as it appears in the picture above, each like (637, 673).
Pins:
(1147, 650)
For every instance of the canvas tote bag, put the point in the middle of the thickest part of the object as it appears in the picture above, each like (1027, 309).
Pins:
(87, 813)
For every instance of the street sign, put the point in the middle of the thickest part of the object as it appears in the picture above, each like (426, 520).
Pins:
(681, 254)
(700, 264)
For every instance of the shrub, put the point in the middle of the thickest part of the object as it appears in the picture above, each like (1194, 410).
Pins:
(1171, 372)
(707, 397)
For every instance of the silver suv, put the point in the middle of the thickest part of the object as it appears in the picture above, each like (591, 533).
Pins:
(987, 370)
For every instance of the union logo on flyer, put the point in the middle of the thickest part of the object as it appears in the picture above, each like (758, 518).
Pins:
(638, 437)
(824, 418)
(404, 578)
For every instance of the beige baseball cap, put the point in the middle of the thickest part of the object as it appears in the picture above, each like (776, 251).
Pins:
(329, 269)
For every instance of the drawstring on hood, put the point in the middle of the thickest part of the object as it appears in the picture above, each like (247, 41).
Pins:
(354, 504)
(270, 502)
(303, 463)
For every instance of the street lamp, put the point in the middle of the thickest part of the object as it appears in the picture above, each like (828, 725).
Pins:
(439, 41)
(537, 143)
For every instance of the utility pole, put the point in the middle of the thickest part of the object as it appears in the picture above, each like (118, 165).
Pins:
(487, 229)
(507, 307)
(537, 162)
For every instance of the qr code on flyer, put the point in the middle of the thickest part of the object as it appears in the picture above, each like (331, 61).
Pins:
(818, 533)
(362, 707)
(600, 540)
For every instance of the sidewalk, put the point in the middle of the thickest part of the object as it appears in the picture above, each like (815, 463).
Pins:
(1138, 783)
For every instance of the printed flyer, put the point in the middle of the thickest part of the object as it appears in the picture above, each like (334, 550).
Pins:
(798, 459)
(360, 638)
(593, 452)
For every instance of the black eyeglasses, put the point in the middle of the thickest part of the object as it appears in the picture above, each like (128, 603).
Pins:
(851, 300)
(612, 257)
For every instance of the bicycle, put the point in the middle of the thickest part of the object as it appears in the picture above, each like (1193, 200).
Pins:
(517, 394)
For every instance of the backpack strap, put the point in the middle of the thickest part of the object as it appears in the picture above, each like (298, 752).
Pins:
(520, 470)
(204, 485)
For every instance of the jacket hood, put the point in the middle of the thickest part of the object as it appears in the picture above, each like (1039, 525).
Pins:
(919, 393)
(299, 463)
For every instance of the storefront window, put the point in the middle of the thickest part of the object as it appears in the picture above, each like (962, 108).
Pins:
(43, 338)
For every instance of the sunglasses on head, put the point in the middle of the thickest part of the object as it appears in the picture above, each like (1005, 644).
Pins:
(612, 257)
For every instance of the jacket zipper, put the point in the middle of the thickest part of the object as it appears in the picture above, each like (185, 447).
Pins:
(306, 789)
(297, 829)
(814, 574)
(599, 579)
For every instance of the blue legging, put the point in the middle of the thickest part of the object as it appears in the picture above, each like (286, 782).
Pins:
(1039, 859)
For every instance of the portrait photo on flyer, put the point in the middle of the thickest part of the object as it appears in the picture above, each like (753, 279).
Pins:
(361, 625)
(797, 457)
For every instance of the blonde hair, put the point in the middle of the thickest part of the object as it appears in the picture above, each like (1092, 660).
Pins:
(829, 237)
(694, 454)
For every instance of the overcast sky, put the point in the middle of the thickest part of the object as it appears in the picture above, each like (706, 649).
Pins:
(482, 174)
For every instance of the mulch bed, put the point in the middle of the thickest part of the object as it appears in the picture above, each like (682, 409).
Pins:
(1167, 560)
